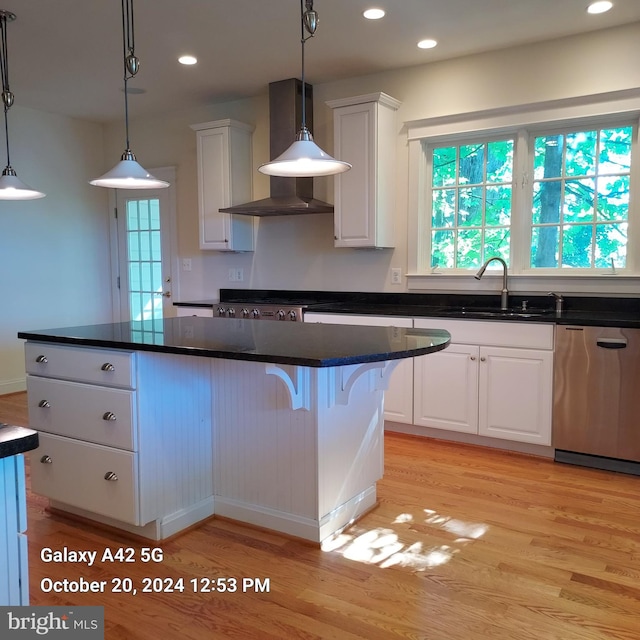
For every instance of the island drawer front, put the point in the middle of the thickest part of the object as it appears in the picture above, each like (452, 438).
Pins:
(524, 335)
(100, 366)
(74, 473)
(101, 415)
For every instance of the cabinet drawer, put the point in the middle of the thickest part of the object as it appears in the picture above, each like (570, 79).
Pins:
(74, 472)
(87, 412)
(100, 366)
(526, 335)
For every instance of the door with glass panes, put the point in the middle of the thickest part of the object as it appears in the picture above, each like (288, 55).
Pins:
(144, 254)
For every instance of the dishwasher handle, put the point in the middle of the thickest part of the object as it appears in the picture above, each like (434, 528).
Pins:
(612, 343)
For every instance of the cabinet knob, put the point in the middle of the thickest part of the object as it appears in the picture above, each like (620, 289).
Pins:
(109, 416)
(107, 366)
(46, 460)
(45, 404)
(42, 359)
(483, 359)
(111, 476)
(473, 358)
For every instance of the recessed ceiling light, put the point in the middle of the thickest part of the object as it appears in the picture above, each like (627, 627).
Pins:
(599, 7)
(427, 44)
(187, 60)
(374, 14)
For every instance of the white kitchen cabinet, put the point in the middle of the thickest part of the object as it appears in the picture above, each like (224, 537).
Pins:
(201, 312)
(499, 386)
(398, 398)
(117, 430)
(365, 134)
(224, 179)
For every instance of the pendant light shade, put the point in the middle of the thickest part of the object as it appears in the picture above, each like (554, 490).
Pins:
(11, 187)
(128, 173)
(304, 158)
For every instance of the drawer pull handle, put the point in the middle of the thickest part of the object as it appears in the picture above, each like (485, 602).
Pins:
(111, 476)
(42, 359)
(45, 404)
(107, 366)
(109, 416)
(46, 460)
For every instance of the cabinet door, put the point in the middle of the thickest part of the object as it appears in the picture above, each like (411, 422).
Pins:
(398, 398)
(224, 179)
(515, 394)
(446, 389)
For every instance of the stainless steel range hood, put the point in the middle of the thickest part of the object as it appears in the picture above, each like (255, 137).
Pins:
(289, 196)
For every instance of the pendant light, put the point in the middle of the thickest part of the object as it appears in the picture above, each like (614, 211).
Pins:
(11, 187)
(128, 173)
(304, 158)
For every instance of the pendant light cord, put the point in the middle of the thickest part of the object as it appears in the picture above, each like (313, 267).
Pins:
(128, 53)
(304, 27)
(7, 96)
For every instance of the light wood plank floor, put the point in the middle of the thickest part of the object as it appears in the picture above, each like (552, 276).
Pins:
(466, 544)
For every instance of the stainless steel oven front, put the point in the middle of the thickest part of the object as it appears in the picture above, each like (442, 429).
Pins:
(260, 311)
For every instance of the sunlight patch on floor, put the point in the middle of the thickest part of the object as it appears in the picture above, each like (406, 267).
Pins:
(383, 547)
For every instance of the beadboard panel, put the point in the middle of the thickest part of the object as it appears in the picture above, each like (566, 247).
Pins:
(174, 400)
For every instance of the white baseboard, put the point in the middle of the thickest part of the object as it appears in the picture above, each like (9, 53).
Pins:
(12, 386)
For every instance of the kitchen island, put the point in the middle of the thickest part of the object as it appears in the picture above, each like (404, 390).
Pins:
(152, 427)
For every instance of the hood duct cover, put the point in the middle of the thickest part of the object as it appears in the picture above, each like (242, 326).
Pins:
(289, 196)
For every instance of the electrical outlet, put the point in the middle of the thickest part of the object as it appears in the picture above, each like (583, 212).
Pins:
(186, 264)
(232, 275)
(239, 275)
(396, 275)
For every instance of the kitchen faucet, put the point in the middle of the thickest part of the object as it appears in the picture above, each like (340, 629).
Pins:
(504, 294)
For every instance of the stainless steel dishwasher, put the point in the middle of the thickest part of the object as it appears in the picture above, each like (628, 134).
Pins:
(596, 412)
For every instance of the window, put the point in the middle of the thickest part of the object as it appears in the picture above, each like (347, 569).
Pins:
(471, 201)
(580, 206)
(547, 199)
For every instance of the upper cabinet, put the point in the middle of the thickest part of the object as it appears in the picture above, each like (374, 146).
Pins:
(365, 135)
(224, 179)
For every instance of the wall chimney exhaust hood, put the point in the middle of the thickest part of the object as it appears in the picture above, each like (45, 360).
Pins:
(289, 196)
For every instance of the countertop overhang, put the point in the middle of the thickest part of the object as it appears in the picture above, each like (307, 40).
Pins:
(312, 345)
(15, 440)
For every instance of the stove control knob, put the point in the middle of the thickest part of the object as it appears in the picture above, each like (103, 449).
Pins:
(222, 311)
(245, 313)
(281, 315)
(255, 314)
(293, 315)
(231, 312)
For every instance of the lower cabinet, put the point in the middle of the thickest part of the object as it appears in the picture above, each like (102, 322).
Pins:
(398, 398)
(496, 391)
(117, 431)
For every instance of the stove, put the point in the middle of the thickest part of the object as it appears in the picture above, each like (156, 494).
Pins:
(264, 309)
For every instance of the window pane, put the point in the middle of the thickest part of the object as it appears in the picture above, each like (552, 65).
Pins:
(498, 206)
(444, 166)
(470, 207)
(548, 157)
(576, 245)
(134, 276)
(496, 243)
(544, 246)
(444, 208)
(143, 214)
(500, 161)
(469, 248)
(611, 244)
(132, 216)
(547, 198)
(442, 249)
(579, 200)
(581, 153)
(133, 246)
(471, 169)
(613, 198)
(154, 211)
(615, 150)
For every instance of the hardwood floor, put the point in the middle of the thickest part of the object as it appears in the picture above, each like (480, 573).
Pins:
(466, 544)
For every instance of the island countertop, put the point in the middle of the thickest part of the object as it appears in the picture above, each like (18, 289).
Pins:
(312, 345)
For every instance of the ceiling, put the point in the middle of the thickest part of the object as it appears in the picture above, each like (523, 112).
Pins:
(66, 56)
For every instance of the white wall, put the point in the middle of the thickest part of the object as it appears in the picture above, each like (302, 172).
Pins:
(54, 252)
(297, 252)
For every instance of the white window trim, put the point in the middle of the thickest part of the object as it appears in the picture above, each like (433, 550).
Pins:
(522, 119)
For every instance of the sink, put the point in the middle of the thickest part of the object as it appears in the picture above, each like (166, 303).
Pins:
(498, 313)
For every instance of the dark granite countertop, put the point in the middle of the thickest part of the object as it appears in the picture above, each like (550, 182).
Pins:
(578, 310)
(15, 440)
(313, 345)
